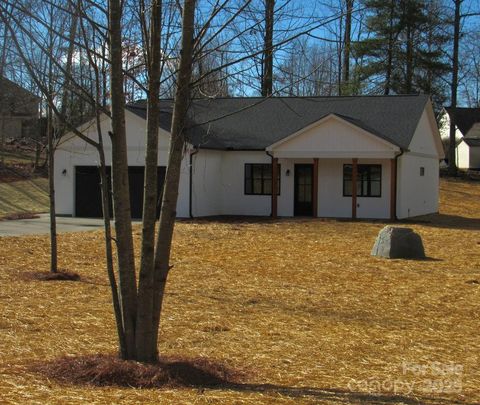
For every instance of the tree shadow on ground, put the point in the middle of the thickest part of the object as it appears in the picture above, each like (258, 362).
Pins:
(341, 395)
(445, 221)
(202, 374)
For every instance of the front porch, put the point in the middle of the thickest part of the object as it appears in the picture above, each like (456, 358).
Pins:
(326, 187)
(335, 167)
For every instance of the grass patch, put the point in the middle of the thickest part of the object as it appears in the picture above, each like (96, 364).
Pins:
(300, 303)
(25, 196)
(15, 156)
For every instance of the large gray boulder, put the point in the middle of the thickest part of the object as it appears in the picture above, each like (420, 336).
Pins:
(398, 243)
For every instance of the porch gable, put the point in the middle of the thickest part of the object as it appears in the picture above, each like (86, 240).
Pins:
(333, 136)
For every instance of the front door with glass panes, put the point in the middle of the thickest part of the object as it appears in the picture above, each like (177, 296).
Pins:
(303, 190)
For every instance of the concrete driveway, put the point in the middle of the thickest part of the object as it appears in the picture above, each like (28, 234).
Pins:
(41, 225)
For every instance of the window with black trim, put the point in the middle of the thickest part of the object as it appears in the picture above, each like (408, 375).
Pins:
(422, 171)
(369, 180)
(258, 179)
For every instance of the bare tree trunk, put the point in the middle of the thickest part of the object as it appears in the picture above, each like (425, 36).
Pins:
(346, 44)
(409, 67)
(106, 197)
(145, 351)
(2, 128)
(120, 185)
(108, 246)
(38, 148)
(267, 79)
(51, 158)
(452, 164)
(172, 178)
(51, 193)
(68, 67)
(3, 105)
(388, 76)
(339, 57)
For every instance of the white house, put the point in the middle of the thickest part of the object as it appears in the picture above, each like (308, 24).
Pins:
(467, 134)
(346, 157)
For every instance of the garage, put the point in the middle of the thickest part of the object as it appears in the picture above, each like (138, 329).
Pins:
(88, 196)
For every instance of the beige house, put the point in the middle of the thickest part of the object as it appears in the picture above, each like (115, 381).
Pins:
(19, 111)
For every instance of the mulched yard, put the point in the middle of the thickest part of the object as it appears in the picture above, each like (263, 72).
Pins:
(299, 307)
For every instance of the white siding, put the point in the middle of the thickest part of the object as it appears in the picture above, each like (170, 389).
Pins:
(376, 207)
(463, 156)
(333, 137)
(207, 183)
(331, 202)
(183, 204)
(219, 181)
(418, 195)
(222, 174)
(423, 140)
(286, 197)
(76, 152)
(64, 183)
(444, 128)
(234, 199)
(468, 157)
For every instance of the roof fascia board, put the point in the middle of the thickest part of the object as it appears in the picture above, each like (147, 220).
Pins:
(308, 154)
(229, 149)
(436, 132)
(82, 128)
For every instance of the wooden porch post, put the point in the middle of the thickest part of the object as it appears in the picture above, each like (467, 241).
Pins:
(274, 186)
(354, 188)
(393, 189)
(315, 188)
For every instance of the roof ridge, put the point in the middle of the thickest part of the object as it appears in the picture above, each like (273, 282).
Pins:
(137, 102)
(310, 97)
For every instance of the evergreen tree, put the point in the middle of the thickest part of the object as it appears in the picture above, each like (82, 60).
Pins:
(404, 52)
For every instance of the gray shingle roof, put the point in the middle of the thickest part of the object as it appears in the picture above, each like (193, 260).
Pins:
(8, 86)
(255, 123)
(465, 118)
(472, 141)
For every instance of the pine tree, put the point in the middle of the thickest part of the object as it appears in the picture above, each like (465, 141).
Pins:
(403, 54)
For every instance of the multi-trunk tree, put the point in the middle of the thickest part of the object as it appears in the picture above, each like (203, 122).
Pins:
(452, 165)
(191, 62)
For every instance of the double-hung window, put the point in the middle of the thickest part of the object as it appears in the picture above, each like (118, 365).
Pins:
(258, 179)
(369, 180)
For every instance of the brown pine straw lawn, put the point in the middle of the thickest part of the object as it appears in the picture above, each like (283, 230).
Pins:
(299, 304)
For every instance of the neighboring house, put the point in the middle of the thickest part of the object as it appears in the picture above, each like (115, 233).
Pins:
(467, 134)
(314, 149)
(19, 111)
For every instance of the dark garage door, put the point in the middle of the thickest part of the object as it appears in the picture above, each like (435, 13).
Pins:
(88, 197)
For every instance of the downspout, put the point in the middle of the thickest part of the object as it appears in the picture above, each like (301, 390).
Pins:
(402, 151)
(271, 159)
(190, 184)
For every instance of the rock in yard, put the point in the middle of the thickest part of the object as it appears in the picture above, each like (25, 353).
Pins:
(398, 243)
